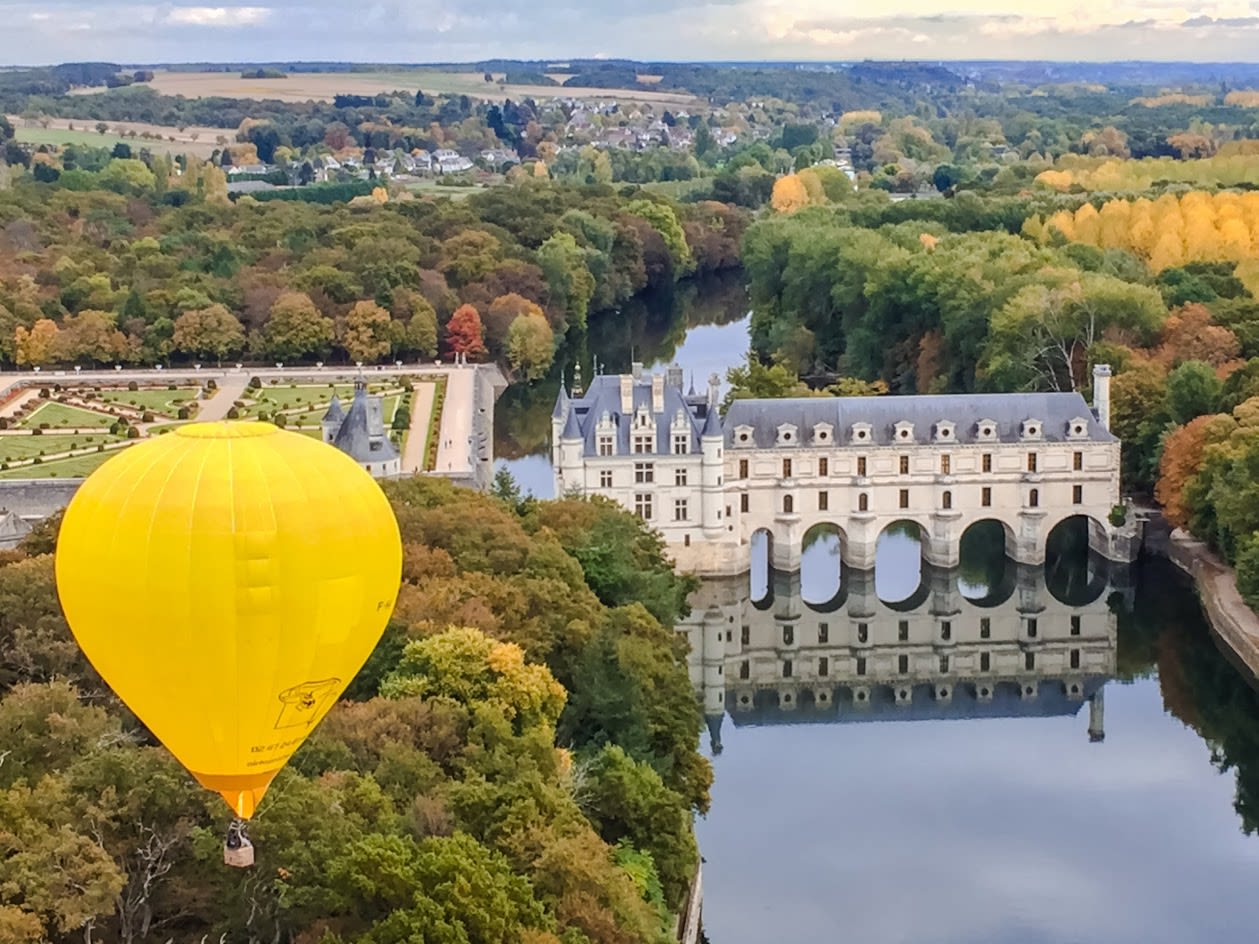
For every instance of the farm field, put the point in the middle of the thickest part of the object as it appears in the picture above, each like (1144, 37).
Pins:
(322, 86)
(58, 134)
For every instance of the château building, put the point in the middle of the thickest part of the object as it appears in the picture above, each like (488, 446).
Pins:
(361, 434)
(779, 468)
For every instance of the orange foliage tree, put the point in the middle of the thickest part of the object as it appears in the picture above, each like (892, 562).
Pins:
(464, 334)
(1181, 461)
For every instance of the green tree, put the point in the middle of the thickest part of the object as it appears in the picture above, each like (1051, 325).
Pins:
(295, 328)
(665, 222)
(530, 346)
(1192, 390)
(368, 332)
(211, 332)
(572, 286)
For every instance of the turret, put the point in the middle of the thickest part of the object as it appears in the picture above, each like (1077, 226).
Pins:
(711, 491)
(1101, 394)
(1097, 719)
(569, 472)
(332, 420)
(558, 416)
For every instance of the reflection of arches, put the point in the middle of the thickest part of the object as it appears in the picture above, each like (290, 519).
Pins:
(761, 568)
(986, 575)
(821, 567)
(1074, 575)
(898, 561)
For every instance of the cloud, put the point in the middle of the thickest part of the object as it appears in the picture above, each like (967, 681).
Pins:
(218, 16)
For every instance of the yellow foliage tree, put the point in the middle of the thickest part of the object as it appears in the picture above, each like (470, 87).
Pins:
(37, 345)
(789, 194)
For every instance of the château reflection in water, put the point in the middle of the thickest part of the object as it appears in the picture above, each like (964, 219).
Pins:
(989, 639)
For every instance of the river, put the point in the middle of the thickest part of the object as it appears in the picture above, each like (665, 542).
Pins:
(994, 754)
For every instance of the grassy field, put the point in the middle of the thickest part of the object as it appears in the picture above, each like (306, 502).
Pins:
(74, 468)
(322, 86)
(430, 187)
(15, 447)
(62, 416)
(59, 137)
(159, 401)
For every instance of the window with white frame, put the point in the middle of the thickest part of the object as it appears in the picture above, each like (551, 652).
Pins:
(644, 473)
(680, 509)
(642, 505)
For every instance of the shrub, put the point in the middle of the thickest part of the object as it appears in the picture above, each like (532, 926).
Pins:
(233, 414)
(211, 384)
(43, 425)
(401, 418)
(38, 460)
(147, 416)
(1119, 516)
(133, 386)
(37, 431)
(133, 432)
(183, 413)
(100, 447)
(44, 393)
(172, 387)
(4, 422)
(280, 420)
(254, 383)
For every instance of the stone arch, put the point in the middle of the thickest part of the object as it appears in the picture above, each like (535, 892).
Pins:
(986, 575)
(1074, 573)
(761, 568)
(821, 566)
(899, 561)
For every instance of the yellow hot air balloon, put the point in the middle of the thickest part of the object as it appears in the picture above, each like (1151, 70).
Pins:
(228, 580)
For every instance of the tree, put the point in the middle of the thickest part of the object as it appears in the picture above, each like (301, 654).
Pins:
(571, 285)
(502, 313)
(665, 222)
(127, 176)
(1180, 462)
(295, 328)
(531, 345)
(463, 333)
(421, 332)
(211, 332)
(367, 332)
(789, 194)
(92, 336)
(1192, 390)
(36, 346)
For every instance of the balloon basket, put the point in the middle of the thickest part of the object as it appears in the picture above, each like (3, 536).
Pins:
(238, 851)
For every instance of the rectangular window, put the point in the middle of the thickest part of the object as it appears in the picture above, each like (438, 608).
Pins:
(642, 444)
(902, 630)
(743, 468)
(861, 465)
(985, 628)
(823, 632)
(605, 445)
(863, 632)
(745, 635)
(1077, 461)
(1029, 661)
(904, 498)
(902, 664)
(823, 666)
(1031, 462)
(679, 509)
(1077, 494)
(1033, 627)
(946, 464)
(681, 444)
(823, 501)
(1075, 626)
(605, 478)
(861, 665)
(985, 662)
(946, 630)
(904, 465)
(824, 466)
(1075, 658)
(986, 462)
(786, 668)
(786, 468)
(985, 497)
(789, 635)
(944, 663)
(743, 502)
(642, 505)
(679, 476)
(745, 670)
(644, 473)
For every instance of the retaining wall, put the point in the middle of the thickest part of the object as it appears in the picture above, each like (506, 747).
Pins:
(1231, 618)
(37, 498)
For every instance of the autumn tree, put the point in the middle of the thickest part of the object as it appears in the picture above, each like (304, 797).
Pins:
(368, 334)
(295, 328)
(1180, 462)
(789, 194)
(37, 345)
(464, 334)
(210, 332)
(530, 345)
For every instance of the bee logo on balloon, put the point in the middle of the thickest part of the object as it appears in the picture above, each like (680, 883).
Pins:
(302, 704)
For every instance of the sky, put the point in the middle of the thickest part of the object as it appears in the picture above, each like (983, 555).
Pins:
(685, 30)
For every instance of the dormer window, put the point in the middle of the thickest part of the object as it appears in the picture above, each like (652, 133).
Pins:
(1078, 428)
(986, 430)
(743, 436)
(946, 431)
(862, 433)
(903, 431)
(787, 435)
(823, 434)
(1031, 429)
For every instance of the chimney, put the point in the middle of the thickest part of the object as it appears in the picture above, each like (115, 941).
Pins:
(657, 393)
(1097, 707)
(636, 370)
(1101, 394)
(714, 390)
(674, 377)
(627, 394)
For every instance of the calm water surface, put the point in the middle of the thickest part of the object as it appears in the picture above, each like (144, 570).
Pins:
(948, 817)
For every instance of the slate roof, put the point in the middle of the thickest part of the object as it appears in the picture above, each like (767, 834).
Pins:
(362, 435)
(335, 412)
(604, 396)
(12, 529)
(561, 404)
(1007, 410)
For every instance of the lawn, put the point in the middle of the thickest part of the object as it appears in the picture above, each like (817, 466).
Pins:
(313, 401)
(159, 401)
(59, 137)
(63, 416)
(15, 447)
(77, 467)
(431, 187)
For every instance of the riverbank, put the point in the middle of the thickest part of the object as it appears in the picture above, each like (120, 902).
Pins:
(1231, 618)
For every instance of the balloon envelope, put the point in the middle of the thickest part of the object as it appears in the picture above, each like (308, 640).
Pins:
(228, 580)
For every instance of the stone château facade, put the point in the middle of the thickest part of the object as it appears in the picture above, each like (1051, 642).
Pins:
(361, 434)
(857, 464)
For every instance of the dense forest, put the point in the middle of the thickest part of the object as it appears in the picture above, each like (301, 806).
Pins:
(516, 762)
